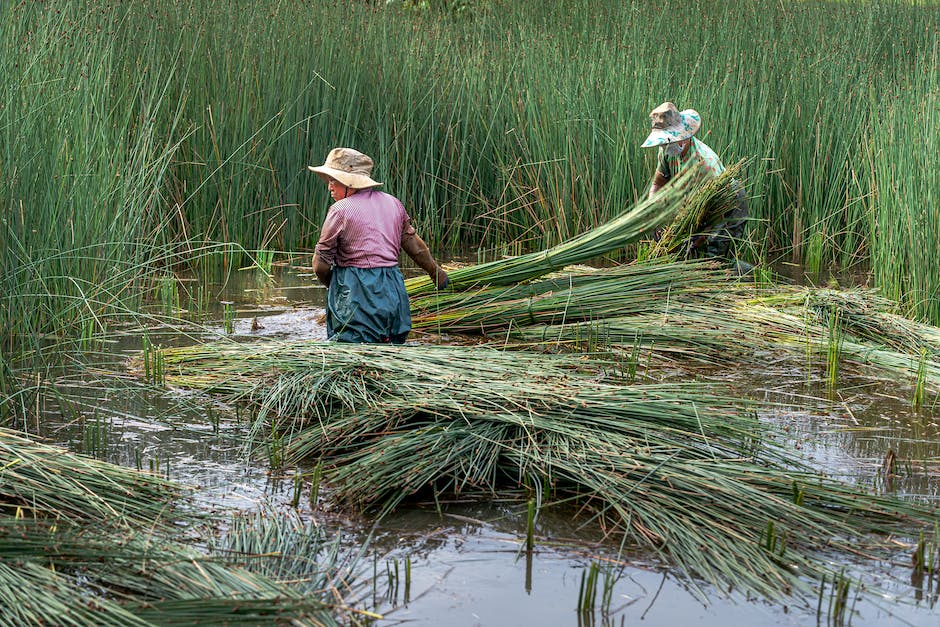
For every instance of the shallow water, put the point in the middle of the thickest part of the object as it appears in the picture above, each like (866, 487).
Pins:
(468, 563)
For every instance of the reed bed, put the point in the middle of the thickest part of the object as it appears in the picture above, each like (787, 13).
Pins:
(137, 124)
(664, 467)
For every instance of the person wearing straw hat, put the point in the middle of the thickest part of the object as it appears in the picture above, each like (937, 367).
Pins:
(356, 257)
(673, 132)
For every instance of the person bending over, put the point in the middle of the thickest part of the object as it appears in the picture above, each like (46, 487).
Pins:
(356, 257)
(673, 132)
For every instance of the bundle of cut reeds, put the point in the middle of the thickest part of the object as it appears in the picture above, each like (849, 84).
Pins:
(689, 309)
(700, 213)
(668, 467)
(86, 542)
(642, 219)
(572, 297)
(44, 481)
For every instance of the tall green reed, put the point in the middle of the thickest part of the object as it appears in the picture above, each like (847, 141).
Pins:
(125, 130)
(82, 172)
(905, 247)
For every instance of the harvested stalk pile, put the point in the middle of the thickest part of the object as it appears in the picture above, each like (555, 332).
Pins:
(695, 311)
(666, 467)
(638, 221)
(578, 296)
(700, 212)
(84, 542)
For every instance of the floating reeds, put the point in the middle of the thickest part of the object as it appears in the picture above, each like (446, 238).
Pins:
(86, 542)
(666, 466)
(45, 481)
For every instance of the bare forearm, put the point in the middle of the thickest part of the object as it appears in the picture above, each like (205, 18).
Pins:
(323, 270)
(658, 181)
(419, 252)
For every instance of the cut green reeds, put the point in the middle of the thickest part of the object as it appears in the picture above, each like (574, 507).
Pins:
(573, 297)
(139, 579)
(666, 466)
(642, 219)
(86, 542)
(691, 310)
(702, 210)
(45, 481)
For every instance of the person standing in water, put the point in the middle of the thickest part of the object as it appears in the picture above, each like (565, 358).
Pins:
(357, 254)
(673, 132)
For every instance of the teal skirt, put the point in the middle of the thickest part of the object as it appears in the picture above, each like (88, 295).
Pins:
(367, 305)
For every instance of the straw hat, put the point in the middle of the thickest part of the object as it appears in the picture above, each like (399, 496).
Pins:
(349, 167)
(670, 125)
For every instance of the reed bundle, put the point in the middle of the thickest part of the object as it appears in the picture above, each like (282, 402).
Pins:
(863, 313)
(685, 333)
(44, 481)
(572, 297)
(689, 310)
(666, 466)
(138, 578)
(701, 211)
(86, 542)
(641, 219)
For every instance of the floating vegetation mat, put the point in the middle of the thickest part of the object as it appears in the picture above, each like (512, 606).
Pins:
(84, 542)
(680, 469)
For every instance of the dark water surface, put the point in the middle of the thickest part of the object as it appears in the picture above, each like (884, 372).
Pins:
(468, 564)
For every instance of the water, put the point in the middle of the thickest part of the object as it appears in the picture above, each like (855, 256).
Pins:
(468, 564)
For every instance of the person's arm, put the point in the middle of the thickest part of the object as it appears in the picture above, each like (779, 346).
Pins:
(419, 252)
(322, 269)
(659, 179)
(325, 252)
(663, 173)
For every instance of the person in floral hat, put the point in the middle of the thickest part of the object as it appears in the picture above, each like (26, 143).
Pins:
(673, 132)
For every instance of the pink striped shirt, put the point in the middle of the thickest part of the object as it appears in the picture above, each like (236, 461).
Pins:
(364, 231)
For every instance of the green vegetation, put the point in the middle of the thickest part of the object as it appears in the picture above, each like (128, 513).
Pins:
(134, 134)
(141, 139)
(665, 467)
(85, 542)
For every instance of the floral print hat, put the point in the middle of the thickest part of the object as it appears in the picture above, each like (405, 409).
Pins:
(671, 125)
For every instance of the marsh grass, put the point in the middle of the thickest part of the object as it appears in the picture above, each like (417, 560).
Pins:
(666, 467)
(87, 542)
(124, 128)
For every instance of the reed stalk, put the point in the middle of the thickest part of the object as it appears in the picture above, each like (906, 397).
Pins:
(83, 541)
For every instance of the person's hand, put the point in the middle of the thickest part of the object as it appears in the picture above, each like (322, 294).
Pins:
(442, 280)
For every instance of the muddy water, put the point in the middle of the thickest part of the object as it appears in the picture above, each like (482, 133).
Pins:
(468, 564)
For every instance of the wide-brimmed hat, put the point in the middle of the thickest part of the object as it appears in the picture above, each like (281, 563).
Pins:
(671, 125)
(349, 167)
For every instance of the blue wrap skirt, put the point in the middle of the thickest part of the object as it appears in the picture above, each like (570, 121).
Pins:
(367, 305)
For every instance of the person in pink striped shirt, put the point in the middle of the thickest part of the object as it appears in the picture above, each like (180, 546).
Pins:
(356, 257)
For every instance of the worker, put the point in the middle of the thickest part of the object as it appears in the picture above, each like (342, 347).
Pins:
(356, 257)
(673, 131)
